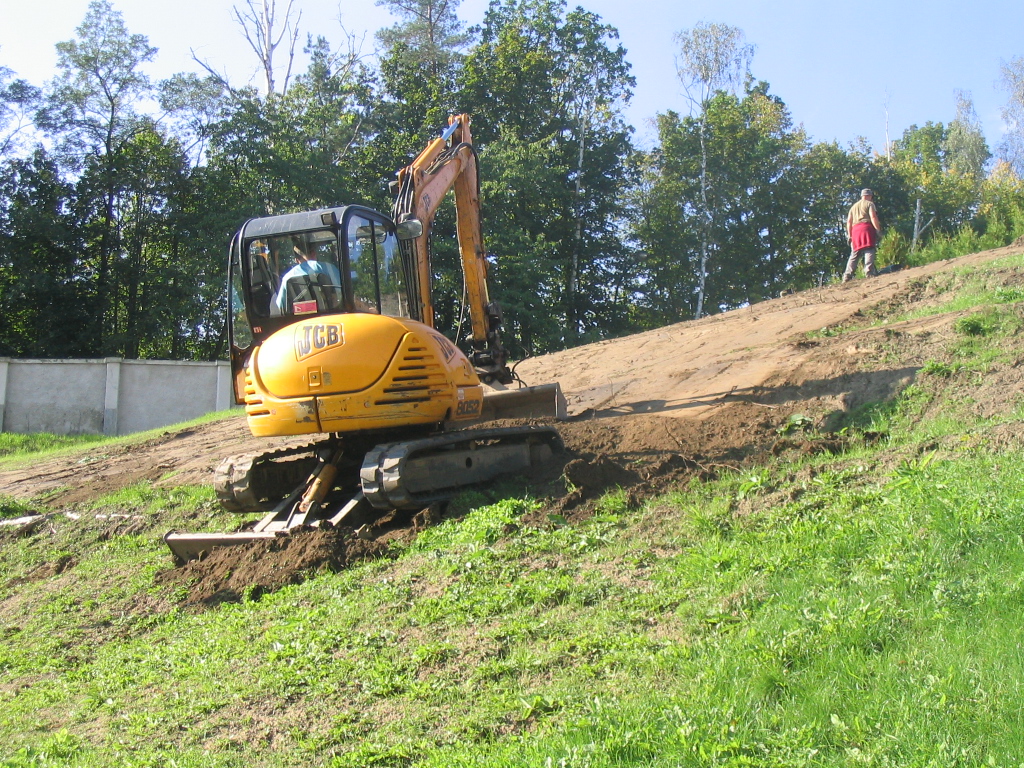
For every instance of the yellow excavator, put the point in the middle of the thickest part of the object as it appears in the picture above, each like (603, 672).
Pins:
(332, 334)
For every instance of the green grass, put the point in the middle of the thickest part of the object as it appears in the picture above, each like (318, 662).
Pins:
(865, 619)
(851, 610)
(959, 290)
(18, 449)
(40, 443)
(11, 508)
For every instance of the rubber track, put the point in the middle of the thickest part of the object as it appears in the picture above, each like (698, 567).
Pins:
(239, 486)
(381, 473)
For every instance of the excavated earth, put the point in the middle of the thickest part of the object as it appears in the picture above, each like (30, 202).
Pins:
(646, 413)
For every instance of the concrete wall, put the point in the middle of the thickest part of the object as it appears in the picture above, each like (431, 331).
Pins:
(108, 397)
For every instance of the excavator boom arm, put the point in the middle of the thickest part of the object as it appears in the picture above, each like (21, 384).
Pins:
(448, 163)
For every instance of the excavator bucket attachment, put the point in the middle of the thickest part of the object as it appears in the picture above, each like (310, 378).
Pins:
(545, 401)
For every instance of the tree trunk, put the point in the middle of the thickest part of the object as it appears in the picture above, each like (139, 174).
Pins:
(706, 220)
(573, 323)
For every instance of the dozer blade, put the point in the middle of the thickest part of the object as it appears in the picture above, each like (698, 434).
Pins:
(195, 546)
(540, 402)
(285, 518)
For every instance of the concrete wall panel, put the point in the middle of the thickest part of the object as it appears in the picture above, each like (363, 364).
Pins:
(110, 396)
(164, 392)
(64, 397)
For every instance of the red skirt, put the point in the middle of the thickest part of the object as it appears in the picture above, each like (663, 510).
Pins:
(862, 236)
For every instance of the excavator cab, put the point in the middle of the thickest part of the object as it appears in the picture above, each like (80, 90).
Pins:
(284, 269)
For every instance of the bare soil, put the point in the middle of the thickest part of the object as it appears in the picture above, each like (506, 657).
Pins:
(646, 412)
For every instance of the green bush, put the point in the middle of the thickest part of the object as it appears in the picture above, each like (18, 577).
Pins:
(971, 326)
(10, 508)
(938, 368)
(894, 249)
(980, 324)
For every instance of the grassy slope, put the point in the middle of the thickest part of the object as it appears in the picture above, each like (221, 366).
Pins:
(19, 449)
(850, 610)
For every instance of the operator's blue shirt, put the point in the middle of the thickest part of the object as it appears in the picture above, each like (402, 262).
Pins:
(301, 272)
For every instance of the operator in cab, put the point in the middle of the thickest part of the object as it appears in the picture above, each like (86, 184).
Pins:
(302, 275)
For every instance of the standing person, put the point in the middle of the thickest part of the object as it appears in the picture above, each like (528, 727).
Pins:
(863, 231)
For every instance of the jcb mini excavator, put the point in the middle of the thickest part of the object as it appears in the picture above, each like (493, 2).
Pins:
(332, 334)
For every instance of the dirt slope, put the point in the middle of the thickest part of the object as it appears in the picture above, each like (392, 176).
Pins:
(684, 370)
(646, 411)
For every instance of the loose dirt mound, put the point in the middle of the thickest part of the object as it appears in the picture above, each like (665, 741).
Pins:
(251, 570)
(647, 412)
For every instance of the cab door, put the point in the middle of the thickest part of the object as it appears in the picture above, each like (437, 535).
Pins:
(378, 274)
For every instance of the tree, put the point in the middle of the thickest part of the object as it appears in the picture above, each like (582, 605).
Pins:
(1012, 148)
(92, 102)
(265, 32)
(824, 181)
(546, 89)
(18, 99)
(429, 32)
(1001, 207)
(965, 147)
(420, 68)
(946, 183)
(193, 105)
(90, 108)
(661, 225)
(295, 150)
(46, 307)
(510, 75)
(595, 84)
(779, 203)
(712, 57)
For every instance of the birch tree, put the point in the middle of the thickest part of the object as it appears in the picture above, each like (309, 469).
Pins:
(965, 147)
(265, 32)
(712, 58)
(1012, 148)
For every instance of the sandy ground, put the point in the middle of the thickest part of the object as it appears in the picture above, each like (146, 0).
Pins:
(646, 411)
(684, 371)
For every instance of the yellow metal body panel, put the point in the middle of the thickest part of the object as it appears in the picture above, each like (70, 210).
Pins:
(350, 351)
(357, 372)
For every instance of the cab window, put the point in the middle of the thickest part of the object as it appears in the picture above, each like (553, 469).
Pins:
(378, 276)
(241, 331)
(295, 274)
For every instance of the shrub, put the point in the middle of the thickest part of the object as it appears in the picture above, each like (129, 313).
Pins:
(938, 368)
(974, 325)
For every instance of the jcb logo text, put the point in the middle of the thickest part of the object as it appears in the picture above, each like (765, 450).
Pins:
(310, 339)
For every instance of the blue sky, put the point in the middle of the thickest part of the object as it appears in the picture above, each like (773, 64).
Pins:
(846, 70)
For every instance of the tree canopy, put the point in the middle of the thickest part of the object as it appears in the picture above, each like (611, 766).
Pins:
(118, 195)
